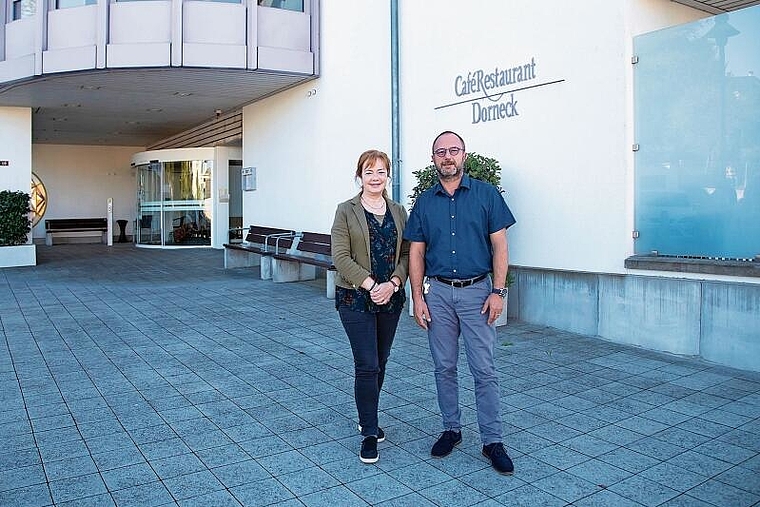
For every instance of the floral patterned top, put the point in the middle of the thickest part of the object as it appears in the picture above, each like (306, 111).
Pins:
(382, 240)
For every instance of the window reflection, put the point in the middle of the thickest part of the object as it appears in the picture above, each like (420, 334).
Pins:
(23, 8)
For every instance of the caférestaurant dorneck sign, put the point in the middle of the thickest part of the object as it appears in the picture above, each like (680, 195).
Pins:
(492, 93)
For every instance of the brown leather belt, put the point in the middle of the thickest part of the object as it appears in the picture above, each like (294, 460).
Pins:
(460, 283)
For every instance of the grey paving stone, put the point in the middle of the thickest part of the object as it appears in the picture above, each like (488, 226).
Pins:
(21, 477)
(153, 494)
(675, 477)
(174, 466)
(742, 478)
(567, 486)
(76, 488)
(74, 466)
(194, 484)
(644, 491)
(718, 493)
(240, 473)
(215, 499)
(264, 492)
(453, 493)
(128, 476)
(37, 495)
(530, 496)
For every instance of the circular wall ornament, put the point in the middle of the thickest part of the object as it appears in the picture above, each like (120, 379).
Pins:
(37, 199)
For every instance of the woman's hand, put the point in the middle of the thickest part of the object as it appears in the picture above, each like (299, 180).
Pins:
(382, 293)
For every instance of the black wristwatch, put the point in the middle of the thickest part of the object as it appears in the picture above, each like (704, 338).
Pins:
(501, 292)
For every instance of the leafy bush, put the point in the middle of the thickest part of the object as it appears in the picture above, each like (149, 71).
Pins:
(15, 223)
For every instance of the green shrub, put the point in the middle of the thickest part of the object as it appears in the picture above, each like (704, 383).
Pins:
(15, 223)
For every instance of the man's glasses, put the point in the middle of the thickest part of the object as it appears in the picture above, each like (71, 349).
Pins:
(441, 152)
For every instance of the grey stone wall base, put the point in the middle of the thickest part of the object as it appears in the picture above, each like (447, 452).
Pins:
(718, 321)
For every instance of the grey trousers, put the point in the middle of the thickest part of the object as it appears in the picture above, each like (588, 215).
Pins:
(456, 311)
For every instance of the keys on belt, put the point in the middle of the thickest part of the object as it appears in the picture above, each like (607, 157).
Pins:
(460, 283)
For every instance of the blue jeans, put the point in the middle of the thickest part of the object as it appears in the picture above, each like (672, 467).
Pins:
(371, 336)
(456, 311)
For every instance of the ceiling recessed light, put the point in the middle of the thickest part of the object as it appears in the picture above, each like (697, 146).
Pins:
(182, 94)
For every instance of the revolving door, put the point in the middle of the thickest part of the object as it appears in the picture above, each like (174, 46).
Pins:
(174, 205)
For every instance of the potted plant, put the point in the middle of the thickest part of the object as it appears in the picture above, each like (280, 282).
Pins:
(478, 167)
(15, 224)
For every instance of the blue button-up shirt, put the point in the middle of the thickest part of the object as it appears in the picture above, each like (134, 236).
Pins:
(456, 228)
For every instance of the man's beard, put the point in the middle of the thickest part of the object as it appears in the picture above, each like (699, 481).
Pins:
(449, 177)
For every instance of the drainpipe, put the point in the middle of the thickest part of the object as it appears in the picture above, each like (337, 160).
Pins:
(395, 137)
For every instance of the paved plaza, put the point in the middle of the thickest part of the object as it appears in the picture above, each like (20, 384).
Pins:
(140, 378)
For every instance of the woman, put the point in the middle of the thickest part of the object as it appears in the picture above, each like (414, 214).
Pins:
(372, 261)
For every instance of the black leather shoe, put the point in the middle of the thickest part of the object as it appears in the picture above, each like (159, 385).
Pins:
(500, 460)
(369, 453)
(446, 443)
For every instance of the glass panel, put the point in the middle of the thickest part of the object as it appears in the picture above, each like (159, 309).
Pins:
(148, 227)
(187, 202)
(236, 201)
(697, 112)
(24, 8)
(291, 5)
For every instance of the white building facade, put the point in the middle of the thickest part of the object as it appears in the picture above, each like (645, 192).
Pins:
(544, 87)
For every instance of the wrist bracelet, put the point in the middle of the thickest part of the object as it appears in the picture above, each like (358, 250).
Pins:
(374, 284)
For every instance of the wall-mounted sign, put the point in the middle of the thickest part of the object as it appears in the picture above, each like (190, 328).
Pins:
(248, 176)
(491, 93)
(4, 162)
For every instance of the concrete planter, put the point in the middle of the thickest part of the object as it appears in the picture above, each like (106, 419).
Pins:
(19, 255)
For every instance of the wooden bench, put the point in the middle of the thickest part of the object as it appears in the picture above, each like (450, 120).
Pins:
(75, 227)
(311, 250)
(260, 243)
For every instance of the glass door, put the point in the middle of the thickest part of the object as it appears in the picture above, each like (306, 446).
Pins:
(148, 225)
(187, 202)
(174, 203)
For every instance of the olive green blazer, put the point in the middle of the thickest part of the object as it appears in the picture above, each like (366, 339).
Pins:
(350, 243)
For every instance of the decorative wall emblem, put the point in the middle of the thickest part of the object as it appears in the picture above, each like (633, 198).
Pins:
(37, 199)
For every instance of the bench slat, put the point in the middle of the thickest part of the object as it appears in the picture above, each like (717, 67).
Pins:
(75, 224)
(311, 243)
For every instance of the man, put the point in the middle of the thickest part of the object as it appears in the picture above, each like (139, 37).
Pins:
(457, 231)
